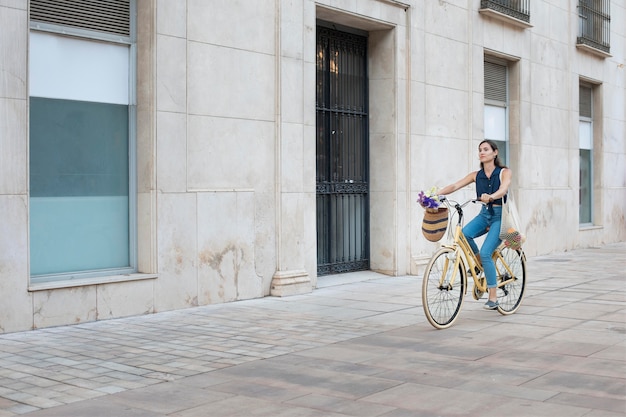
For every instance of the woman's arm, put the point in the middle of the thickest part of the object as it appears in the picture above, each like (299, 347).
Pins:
(504, 187)
(468, 179)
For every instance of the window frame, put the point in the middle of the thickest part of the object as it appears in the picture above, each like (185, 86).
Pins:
(500, 103)
(113, 274)
(590, 120)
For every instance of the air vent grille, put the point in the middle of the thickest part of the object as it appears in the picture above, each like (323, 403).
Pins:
(108, 16)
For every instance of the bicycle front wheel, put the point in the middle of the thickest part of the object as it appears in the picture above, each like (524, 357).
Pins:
(511, 268)
(443, 288)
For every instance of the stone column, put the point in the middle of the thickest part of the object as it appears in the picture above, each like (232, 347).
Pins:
(294, 172)
(16, 304)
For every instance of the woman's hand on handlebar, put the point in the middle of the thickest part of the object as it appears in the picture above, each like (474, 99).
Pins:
(485, 198)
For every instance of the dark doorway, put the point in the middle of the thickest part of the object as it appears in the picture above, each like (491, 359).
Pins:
(342, 152)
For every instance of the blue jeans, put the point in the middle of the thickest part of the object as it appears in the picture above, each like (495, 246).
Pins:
(488, 218)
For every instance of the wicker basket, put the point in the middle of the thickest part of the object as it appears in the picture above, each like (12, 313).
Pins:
(435, 223)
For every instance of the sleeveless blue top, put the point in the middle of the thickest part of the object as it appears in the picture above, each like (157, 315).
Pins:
(485, 185)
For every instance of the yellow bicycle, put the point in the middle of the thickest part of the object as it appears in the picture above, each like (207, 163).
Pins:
(445, 278)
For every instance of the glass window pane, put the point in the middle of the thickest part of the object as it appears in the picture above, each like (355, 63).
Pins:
(76, 69)
(585, 186)
(584, 135)
(495, 123)
(79, 180)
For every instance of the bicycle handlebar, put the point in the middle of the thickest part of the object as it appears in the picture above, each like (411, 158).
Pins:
(459, 206)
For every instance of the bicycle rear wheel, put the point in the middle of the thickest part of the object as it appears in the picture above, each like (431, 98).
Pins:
(510, 266)
(441, 299)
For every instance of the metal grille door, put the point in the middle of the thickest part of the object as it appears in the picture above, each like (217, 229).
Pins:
(342, 152)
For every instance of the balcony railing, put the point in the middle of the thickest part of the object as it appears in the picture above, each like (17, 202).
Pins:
(595, 24)
(518, 9)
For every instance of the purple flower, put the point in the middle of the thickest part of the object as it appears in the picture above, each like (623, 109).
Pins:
(430, 200)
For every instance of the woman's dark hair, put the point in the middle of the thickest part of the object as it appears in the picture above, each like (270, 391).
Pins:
(494, 147)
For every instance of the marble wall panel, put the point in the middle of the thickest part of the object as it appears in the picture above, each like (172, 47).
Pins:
(230, 82)
(476, 130)
(560, 26)
(492, 34)
(417, 113)
(146, 232)
(265, 235)
(383, 256)
(14, 4)
(589, 66)
(146, 149)
(477, 80)
(417, 56)
(125, 299)
(226, 247)
(401, 108)
(614, 218)
(171, 83)
(224, 153)
(613, 104)
(558, 91)
(350, 5)
(292, 89)
(382, 60)
(14, 54)
(446, 112)
(382, 106)
(291, 252)
(562, 133)
(540, 126)
(292, 157)
(171, 152)
(393, 13)
(613, 139)
(438, 18)
(177, 285)
(614, 178)
(309, 46)
(249, 26)
(542, 15)
(537, 171)
(383, 161)
(64, 306)
(559, 165)
(438, 161)
(13, 143)
(369, 8)
(447, 62)
(172, 18)
(16, 304)
(540, 88)
(309, 94)
(291, 28)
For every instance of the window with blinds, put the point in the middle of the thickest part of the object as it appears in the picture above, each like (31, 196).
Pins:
(584, 101)
(496, 106)
(82, 211)
(495, 82)
(585, 138)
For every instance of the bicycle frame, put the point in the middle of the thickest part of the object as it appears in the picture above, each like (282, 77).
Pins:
(469, 262)
(460, 245)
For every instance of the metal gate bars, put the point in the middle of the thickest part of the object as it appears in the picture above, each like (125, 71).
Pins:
(342, 152)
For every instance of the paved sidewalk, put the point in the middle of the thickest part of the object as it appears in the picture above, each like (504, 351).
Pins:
(358, 346)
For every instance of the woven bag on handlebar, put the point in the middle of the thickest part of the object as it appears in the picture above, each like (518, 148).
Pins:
(435, 223)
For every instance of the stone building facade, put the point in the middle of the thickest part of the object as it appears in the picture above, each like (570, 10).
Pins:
(171, 156)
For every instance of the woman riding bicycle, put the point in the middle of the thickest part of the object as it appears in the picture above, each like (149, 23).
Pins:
(492, 184)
